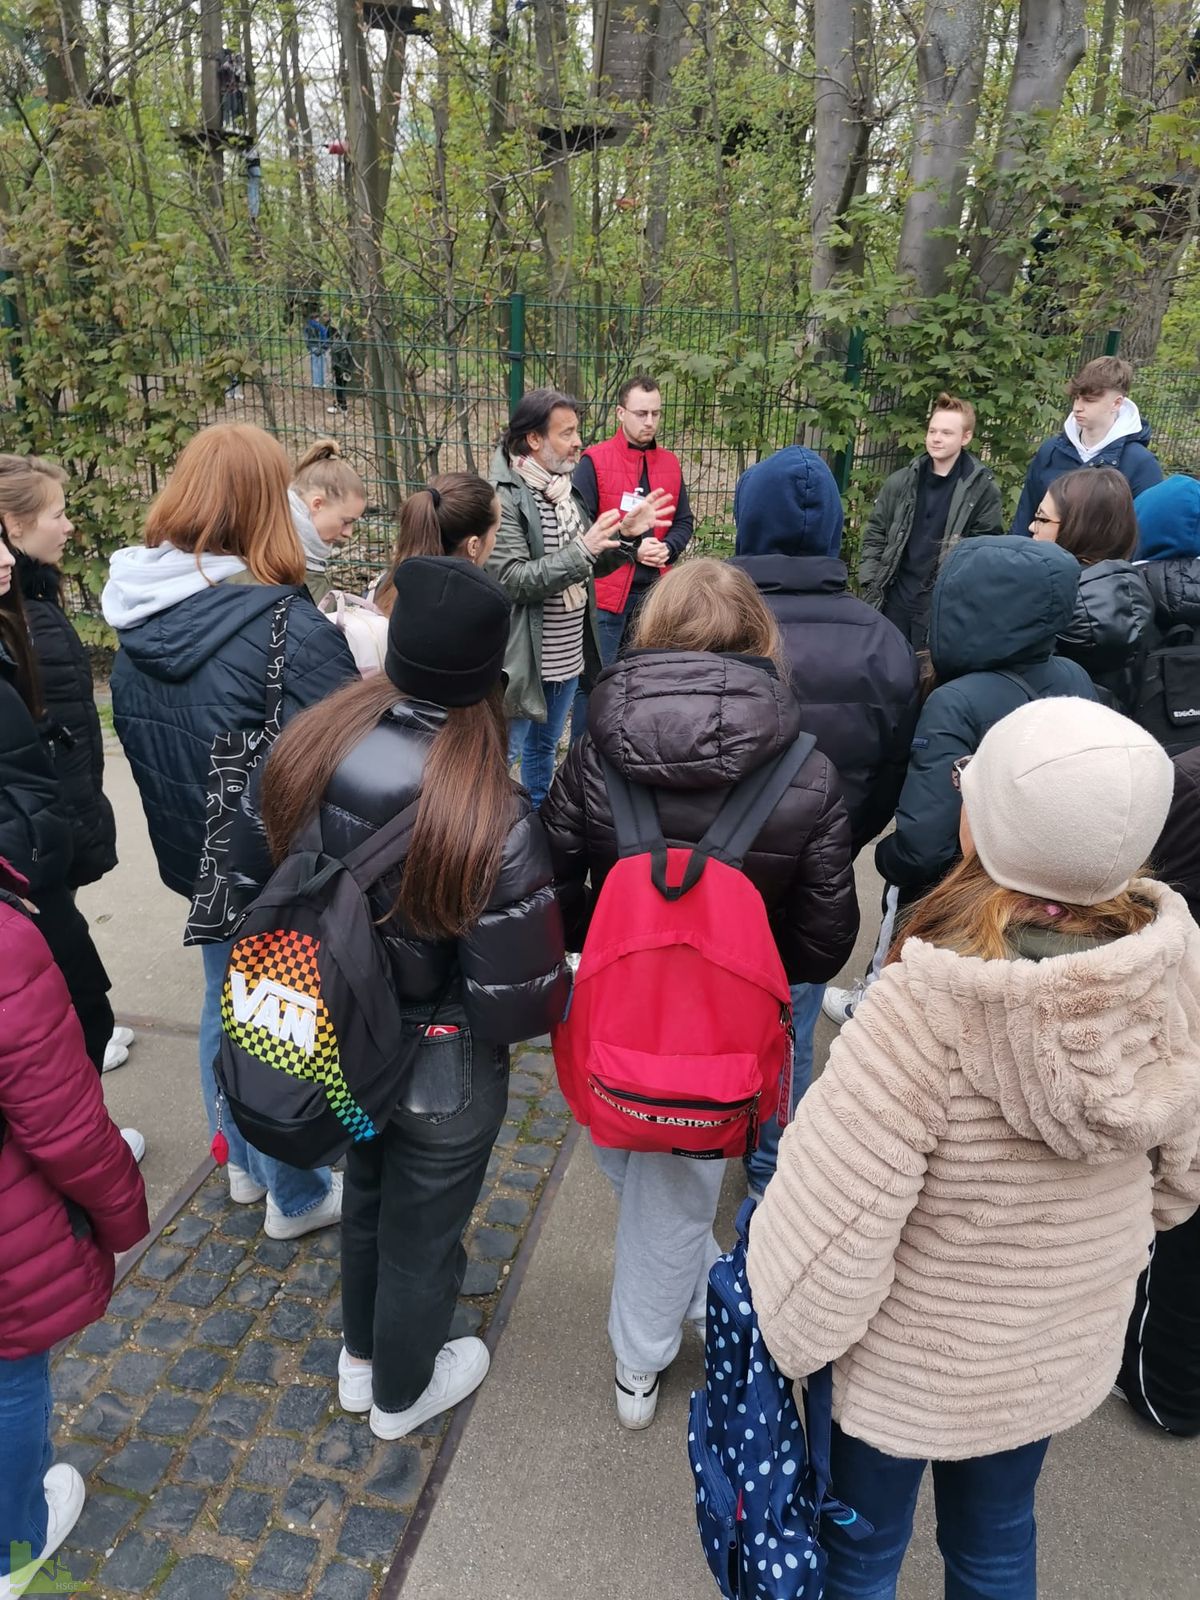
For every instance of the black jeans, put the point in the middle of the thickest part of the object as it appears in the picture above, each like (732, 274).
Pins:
(64, 928)
(409, 1195)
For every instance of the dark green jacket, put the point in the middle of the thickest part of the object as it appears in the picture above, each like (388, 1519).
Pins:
(974, 508)
(519, 561)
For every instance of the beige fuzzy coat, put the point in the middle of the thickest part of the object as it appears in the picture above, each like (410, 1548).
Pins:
(967, 1195)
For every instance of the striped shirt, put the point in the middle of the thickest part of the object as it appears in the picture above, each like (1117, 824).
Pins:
(562, 630)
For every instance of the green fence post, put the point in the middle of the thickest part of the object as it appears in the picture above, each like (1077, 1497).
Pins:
(1112, 341)
(516, 350)
(843, 461)
(10, 321)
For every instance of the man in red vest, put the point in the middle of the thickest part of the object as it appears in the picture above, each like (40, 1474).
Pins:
(612, 476)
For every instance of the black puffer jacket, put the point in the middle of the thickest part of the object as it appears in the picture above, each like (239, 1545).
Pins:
(998, 607)
(511, 965)
(691, 725)
(35, 829)
(1108, 632)
(1174, 587)
(854, 674)
(69, 695)
(1177, 853)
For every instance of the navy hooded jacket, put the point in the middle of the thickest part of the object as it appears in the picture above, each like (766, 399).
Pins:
(998, 608)
(197, 669)
(1130, 455)
(854, 673)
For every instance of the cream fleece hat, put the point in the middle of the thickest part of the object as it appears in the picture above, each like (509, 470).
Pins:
(1066, 800)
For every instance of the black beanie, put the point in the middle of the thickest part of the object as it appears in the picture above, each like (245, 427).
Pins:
(448, 631)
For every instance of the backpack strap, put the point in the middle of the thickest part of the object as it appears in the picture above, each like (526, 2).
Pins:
(385, 849)
(1021, 683)
(750, 804)
(634, 813)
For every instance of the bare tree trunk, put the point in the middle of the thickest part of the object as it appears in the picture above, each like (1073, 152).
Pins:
(448, 233)
(1157, 76)
(498, 114)
(248, 67)
(210, 102)
(841, 131)
(1051, 41)
(950, 57)
(717, 141)
(667, 42)
(60, 23)
(1104, 57)
(308, 169)
(139, 140)
(557, 203)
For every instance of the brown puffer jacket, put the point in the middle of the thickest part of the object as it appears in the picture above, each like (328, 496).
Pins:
(691, 725)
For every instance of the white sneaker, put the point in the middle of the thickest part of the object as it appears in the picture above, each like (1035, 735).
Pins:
(637, 1397)
(354, 1383)
(332, 411)
(122, 1037)
(115, 1055)
(460, 1368)
(243, 1190)
(65, 1494)
(135, 1142)
(277, 1226)
(839, 1005)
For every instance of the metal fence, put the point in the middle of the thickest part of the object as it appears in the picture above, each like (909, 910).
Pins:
(425, 385)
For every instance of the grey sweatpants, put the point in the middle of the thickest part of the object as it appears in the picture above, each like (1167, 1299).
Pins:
(665, 1247)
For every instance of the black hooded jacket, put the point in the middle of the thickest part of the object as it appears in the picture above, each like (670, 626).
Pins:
(74, 726)
(998, 608)
(35, 826)
(690, 725)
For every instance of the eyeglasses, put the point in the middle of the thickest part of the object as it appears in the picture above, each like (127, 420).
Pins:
(957, 770)
(1044, 521)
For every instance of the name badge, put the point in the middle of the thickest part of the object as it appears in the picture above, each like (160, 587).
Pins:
(630, 501)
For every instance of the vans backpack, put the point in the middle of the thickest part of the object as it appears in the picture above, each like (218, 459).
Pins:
(762, 1485)
(678, 1035)
(314, 1051)
(1168, 702)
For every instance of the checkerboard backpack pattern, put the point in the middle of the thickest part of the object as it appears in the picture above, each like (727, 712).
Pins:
(315, 1050)
(762, 1484)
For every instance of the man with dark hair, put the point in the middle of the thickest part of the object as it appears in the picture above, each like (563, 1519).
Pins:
(923, 510)
(547, 551)
(614, 475)
(1104, 429)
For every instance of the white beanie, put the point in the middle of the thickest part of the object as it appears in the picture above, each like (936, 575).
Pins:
(1066, 800)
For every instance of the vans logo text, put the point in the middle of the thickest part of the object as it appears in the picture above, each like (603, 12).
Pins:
(284, 1013)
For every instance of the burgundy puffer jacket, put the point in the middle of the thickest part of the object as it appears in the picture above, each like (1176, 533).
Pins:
(70, 1192)
(691, 725)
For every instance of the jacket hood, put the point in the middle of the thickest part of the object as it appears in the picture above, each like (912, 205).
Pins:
(38, 580)
(1073, 1049)
(688, 719)
(1127, 424)
(777, 574)
(173, 644)
(788, 505)
(316, 551)
(1001, 599)
(144, 582)
(1168, 517)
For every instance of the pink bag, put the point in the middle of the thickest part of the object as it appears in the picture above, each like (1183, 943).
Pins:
(364, 626)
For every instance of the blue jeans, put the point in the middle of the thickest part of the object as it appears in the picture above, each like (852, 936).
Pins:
(293, 1189)
(26, 1405)
(316, 360)
(806, 1008)
(985, 1525)
(535, 744)
(610, 630)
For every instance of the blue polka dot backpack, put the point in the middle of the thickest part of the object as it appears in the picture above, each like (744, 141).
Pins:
(761, 1488)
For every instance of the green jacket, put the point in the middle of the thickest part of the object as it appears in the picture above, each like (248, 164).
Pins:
(519, 561)
(974, 508)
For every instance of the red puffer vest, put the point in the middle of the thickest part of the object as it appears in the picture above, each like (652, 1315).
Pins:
(66, 1213)
(618, 472)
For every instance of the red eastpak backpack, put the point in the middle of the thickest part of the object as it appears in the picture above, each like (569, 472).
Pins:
(678, 1036)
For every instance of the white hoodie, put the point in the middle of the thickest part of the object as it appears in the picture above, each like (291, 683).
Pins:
(316, 551)
(1128, 421)
(143, 582)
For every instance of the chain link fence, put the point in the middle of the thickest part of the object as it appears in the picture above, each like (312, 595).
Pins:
(410, 387)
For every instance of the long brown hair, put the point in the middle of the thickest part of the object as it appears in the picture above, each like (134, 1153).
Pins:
(25, 485)
(1097, 521)
(227, 495)
(14, 637)
(464, 508)
(973, 915)
(708, 605)
(322, 469)
(466, 803)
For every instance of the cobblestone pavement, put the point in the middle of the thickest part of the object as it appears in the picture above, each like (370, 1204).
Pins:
(203, 1410)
